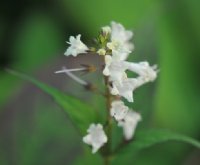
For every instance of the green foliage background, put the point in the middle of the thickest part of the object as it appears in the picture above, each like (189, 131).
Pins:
(33, 130)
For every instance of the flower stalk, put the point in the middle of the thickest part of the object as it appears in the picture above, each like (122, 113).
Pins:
(108, 97)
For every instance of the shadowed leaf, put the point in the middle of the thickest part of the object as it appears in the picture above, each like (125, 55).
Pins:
(147, 138)
(81, 114)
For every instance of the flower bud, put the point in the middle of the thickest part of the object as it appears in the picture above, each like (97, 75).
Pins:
(101, 52)
(106, 30)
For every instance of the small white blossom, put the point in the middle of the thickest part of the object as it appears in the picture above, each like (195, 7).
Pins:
(119, 33)
(120, 40)
(77, 46)
(130, 123)
(118, 110)
(119, 50)
(115, 69)
(96, 137)
(121, 85)
(144, 70)
(126, 88)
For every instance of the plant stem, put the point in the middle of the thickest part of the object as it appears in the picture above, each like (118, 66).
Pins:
(107, 160)
(109, 122)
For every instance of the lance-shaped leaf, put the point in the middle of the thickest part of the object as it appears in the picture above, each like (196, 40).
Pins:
(81, 114)
(147, 138)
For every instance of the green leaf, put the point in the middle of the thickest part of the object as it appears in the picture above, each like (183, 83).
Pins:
(50, 127)
(81, 114)
(88, 158)
(148, 138)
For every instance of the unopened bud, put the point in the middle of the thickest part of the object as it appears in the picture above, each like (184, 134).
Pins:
(101, 52)
(89, 68)
(90, 87)
(106, 30)
(92, 49)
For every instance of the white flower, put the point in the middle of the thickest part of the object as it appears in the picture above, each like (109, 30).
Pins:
(121, 85)
(118, 110)
(96, 137)
(115, 69)
(126, 88)
(144, 70)
(119, 33)
(120, 40)
(119, 50)
(129, 124)
(77, 46)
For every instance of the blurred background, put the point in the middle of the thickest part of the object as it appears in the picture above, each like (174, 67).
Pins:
(33, 130)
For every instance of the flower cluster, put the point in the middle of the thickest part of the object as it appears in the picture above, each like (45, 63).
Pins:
(116, 64)
(126, 118)
(114, 45)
